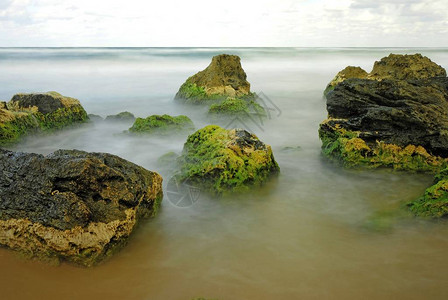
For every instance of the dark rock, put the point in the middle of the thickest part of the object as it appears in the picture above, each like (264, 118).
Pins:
(45, 102)
(396, 112)
(37, 112)
(95, 118)
(392, 67)
(348, 72)
(395, 117)
(291, 149)
(124, 116)
(72, 203)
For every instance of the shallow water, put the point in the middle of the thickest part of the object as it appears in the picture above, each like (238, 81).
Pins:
(316, 231)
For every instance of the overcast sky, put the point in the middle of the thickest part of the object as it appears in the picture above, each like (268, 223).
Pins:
(208, 23)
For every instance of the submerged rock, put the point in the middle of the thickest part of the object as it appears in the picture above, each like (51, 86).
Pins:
(434, 202)
(235, 107)
(162, 124)
(222, 161)
(73, 205)
(399, 123)
(27, 113)
(223, 78)
(95, 118)
(168, 161)
(124, 116)
(291, 149)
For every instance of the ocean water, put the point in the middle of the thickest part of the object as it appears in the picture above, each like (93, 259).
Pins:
(317, 231)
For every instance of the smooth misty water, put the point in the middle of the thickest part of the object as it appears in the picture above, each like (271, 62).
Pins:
(310, 233)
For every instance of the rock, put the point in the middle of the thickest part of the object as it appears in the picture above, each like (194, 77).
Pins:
(73, 205)
(401, 124)
(222, 161)
(434, 202)
(232, 107)
(348, 72)
(95, 118)
(14, 125)
(392, 114)
(393, 67)
(168, 161)
(124, 116)
(162, 124)
(291, 149)
(28, 113)
(406, 67)
(45, 102)
(223, 78)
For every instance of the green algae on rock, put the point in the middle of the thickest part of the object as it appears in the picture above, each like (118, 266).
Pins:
(400, 123)
(27, 113)
(396, 116)
(124, 116)
(162, 124)
(72, 205)
(434, 202)
(236, 107)
(223, 78)
(348, 148)
(223, 161)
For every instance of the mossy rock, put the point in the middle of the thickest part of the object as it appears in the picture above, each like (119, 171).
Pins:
(21, 124)
(222, 161)
(434, 202)
(168, 161)
(124, 116)
(232, 107)
(194, 94)
(223, 78)
(38, 112)
(162, 124)
(62, 117)
(348, 148)
(402, 124)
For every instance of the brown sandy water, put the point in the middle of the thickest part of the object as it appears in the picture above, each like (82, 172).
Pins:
(315, 232)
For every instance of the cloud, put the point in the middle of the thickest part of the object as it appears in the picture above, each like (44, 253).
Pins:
(229, 23)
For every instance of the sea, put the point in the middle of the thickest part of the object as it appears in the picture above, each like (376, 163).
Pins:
(317, 231)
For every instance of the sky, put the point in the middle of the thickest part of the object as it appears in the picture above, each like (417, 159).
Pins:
(229, 23)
